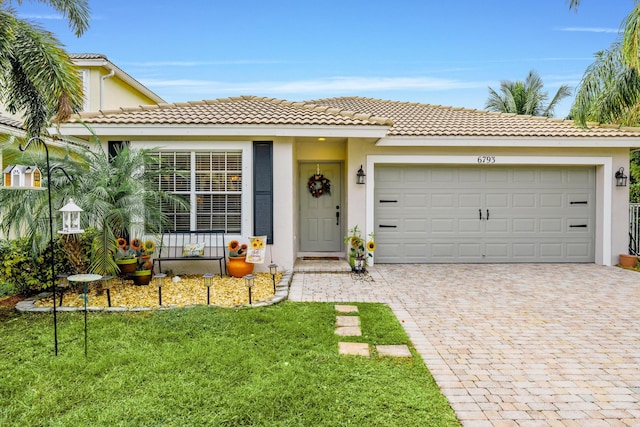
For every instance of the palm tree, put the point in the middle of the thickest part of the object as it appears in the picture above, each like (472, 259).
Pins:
(525, 97)
(610, 88)
(116, 194)
(38, 78)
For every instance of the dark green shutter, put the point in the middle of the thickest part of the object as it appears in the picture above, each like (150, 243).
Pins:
(263, 189)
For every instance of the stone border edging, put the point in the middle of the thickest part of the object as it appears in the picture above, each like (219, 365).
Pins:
(29, 305)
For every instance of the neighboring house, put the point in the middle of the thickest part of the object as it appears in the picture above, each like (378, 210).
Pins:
(443, 185)
(105, 85)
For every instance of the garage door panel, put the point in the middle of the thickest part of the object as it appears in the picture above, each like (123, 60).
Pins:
(497, 225)
(531, 213)
(469, 200)
(524, 250)
(473, 226)
(524, 200)
(524, 225)
(442, 225)
(551, 200)
(442, 201)
(497, 250)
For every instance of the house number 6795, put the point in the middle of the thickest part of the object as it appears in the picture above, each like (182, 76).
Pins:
(486, 160)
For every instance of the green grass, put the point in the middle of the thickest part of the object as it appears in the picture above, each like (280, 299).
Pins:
(272, 366)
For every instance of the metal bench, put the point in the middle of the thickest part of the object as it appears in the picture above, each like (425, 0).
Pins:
(192, 245)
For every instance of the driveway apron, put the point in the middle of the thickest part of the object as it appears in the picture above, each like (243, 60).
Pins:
(513, 344)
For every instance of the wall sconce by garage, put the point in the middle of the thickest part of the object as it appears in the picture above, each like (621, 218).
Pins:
(361, 176)
(621, 178)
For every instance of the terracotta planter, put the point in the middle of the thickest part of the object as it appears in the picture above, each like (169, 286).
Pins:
(141, 277)
(628, 261)
(127, 266)
(239, 267)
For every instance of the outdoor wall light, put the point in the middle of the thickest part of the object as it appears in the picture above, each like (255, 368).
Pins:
(621, 178)
(361, 176)
(249, 281)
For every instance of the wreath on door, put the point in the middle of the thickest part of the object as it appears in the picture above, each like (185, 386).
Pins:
(319, 185)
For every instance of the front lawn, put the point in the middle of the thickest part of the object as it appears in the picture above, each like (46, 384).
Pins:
(271, 366)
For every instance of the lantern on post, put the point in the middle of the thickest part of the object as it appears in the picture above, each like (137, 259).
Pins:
(249, 281)
(71, 218)
(273, 270)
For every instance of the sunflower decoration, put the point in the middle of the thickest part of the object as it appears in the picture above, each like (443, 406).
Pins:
(358, 250)
(122, 243)
(136, 244)
(236, 249)
(371, 246)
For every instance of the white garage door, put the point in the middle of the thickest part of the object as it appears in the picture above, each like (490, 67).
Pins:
(493, 214)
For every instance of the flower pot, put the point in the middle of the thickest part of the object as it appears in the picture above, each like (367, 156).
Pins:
(239, 267)
(628, 261)
(127, 266)
(141, 277)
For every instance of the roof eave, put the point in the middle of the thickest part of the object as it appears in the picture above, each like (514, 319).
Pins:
(191, 130)
(511, 141)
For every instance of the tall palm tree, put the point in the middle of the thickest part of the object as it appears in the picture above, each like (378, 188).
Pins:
(38, 78)
(525, 97)
(610, 88)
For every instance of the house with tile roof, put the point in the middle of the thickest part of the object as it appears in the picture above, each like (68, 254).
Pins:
(441, 184)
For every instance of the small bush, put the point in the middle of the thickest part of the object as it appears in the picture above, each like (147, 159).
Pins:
(27, 273)
(6, 289)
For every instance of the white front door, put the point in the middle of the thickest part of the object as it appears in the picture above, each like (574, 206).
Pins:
(321, 212)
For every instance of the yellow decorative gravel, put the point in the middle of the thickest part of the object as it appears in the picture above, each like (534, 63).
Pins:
(189, 290)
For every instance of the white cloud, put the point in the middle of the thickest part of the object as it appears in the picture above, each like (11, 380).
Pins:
(45, 17)
(590, 29)
(328, 85)
(198, 63)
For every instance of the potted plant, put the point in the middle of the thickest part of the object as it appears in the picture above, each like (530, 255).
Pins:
(125, 257)
(358, 250)
(144, 250)
(237, 266)
(628, 261)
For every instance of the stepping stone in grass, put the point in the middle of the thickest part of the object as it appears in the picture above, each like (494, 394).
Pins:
(353, 348)
(347, 321)
(346, 308)
(348, 331)
(393, 350)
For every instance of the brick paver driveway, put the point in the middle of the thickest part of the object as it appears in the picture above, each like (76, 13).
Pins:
(516, 344)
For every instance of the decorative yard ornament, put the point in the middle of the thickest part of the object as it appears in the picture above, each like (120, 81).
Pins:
(71, 218)
(20, 176)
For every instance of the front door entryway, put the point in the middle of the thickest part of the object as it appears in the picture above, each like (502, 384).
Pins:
(321, 212)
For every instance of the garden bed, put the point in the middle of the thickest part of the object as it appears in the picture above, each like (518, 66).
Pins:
(188, 290)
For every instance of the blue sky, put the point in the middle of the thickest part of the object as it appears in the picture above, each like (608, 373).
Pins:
(444, 52)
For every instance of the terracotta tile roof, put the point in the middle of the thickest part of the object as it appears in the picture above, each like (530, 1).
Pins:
(413, 119)
(404, 118)
(243, 110)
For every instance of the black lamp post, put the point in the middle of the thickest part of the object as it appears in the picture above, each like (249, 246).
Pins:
(51, 248)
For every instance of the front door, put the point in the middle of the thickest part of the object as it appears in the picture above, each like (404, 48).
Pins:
(320, 211)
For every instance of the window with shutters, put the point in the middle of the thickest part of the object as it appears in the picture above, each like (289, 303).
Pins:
(210, 183)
